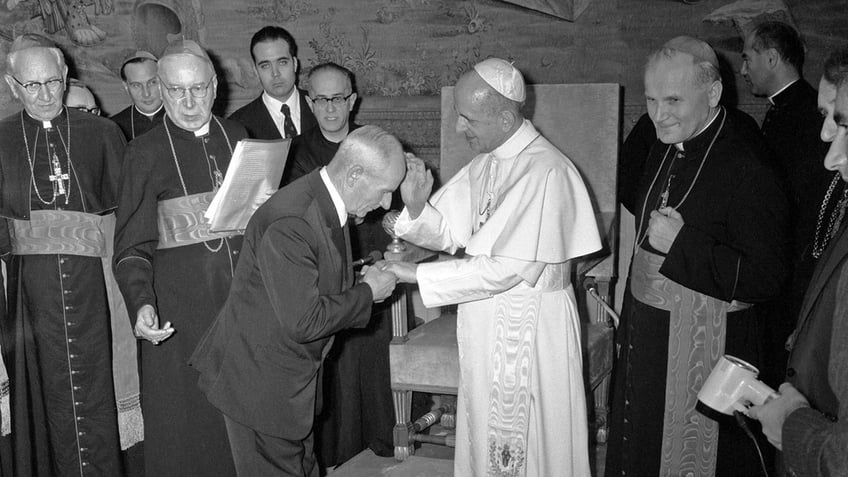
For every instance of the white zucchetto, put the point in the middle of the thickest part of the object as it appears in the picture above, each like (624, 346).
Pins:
(503, 77)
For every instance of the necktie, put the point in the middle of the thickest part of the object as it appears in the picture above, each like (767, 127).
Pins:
(288, 125)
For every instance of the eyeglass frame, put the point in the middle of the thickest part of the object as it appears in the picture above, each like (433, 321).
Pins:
(335, 100)
(205, 89)
(28, 86)
(92, 110)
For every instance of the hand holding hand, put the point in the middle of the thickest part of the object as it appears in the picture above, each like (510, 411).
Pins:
(663, 228)
(382, 283)
(773, 413)
(147, 326)
(416, 186)
(405, 271)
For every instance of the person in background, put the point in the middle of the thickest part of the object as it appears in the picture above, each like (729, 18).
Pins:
(357, 403)
(139, 76)
(79, 97)
(281, 110)
(772, 64)
(807, 421)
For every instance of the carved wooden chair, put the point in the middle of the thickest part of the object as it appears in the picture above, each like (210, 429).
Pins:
(583, 121)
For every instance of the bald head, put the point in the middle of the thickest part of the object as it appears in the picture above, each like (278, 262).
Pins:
(80, 97)
(367, 168)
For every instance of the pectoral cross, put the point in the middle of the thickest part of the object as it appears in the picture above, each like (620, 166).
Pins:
(218, 175)
(666, 193)
(58, 178)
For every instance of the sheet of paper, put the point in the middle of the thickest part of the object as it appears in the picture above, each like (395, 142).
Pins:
(252, 177)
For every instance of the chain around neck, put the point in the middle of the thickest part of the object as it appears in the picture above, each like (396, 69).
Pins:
(30, 161)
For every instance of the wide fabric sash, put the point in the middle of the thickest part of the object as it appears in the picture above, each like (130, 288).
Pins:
(51, 232)
(516, 320)
(181, 221)
(697, 331)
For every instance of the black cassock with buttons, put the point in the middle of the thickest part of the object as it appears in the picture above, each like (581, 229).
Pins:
(57, 339)
(184, 435)
(733, 246)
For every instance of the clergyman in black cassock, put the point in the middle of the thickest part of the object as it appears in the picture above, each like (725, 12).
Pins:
(59, 173)
(690, 303)
(171, 266)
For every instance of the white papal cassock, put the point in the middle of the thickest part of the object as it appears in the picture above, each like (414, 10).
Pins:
(521, 212)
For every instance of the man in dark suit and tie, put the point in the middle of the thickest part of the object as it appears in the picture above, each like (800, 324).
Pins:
(281, 110)
(293, 290)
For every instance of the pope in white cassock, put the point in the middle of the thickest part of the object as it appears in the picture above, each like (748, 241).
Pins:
(521, 211)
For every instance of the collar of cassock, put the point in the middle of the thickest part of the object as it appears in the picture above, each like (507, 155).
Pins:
(701, 142)
(177, 131)
(785, 95)
(60, 118)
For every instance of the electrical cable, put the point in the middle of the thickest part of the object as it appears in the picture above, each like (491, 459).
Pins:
(740, 419)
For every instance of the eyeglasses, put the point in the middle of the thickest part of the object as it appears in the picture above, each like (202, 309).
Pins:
(93, 110)
(197, 91)
(335, 100)
(151, 83)
(33, 87)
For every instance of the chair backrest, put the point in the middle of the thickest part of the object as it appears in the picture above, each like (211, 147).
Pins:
(582, 120)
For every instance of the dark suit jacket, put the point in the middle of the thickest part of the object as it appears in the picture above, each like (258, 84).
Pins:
(259, 124)
(260, 359)
(815, 439)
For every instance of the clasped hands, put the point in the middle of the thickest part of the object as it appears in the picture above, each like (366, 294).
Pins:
(663, 228)
(383, 276)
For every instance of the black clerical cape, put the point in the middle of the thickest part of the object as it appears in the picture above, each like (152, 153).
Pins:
(732, 247)
(791, 129)
(56, 344)
(187, 284)
(134, 124)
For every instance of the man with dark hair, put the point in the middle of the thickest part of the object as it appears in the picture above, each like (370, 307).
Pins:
(281, 110)
(174, 272)
(294, 290)
(772, 61)
(138, 73)
(712, 234)
(807, 421)
(59, 175)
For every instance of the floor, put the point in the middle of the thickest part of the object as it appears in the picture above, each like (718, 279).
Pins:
(428, 461)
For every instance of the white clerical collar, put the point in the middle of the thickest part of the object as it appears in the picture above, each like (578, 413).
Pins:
(679, 145)
(274, 106)
(771, 98)
(45, 124)
(334, 194)
(154, 113)
(517, 142)
(204, 130)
